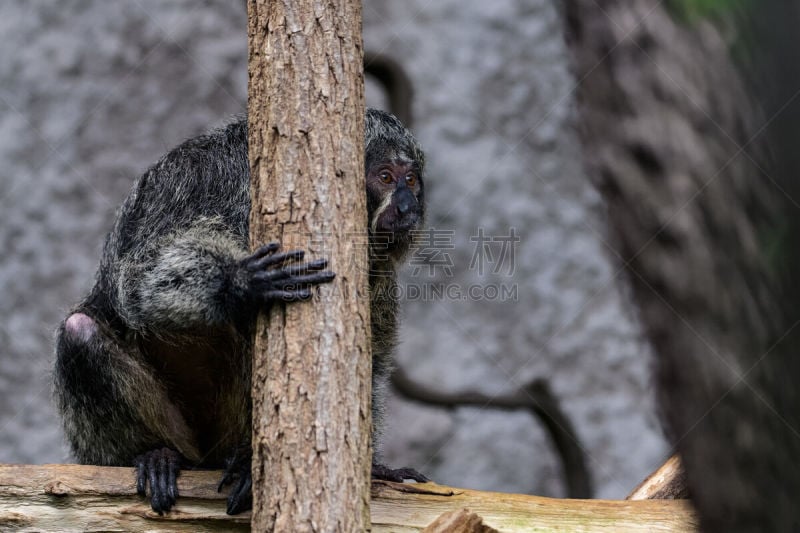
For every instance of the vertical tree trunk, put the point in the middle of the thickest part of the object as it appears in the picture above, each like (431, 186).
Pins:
(311, 368)
(675, 141)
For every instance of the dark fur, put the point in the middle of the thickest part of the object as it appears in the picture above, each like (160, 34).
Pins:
(157, 356)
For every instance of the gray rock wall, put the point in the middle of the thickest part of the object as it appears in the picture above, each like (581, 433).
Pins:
(93, 92)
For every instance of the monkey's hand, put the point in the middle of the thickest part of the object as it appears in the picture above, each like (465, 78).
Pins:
(271, 276)
(238, 468)
(161, 468)
(397, 475)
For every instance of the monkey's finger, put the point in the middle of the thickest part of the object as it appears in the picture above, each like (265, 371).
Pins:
(227, 479)
(410, 473)
(308, 279)
(270, 276)
(173, 469)
(241, 498)
(162, 481)
(141, 476)
(152, 474)
(277, 259)
(155, 502)
(295, 270)
(287, 296)
(266, 249)
(397, 475)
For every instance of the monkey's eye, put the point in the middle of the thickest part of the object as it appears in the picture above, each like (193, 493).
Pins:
(386, 177)
(411, 180)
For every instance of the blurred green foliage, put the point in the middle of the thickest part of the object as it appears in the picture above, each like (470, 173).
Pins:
(692, 11)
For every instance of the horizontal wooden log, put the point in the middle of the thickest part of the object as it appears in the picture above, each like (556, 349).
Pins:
(411, 507)
(68, 498)
(91, 498)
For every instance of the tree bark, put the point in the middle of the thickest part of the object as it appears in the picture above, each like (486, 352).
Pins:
(312, 365)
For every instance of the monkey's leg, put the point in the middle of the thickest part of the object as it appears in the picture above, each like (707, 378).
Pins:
(114, 406)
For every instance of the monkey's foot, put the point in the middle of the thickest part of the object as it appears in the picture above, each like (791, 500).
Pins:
(271, 278)
(161, 468)
(238, 469)
(397, 475)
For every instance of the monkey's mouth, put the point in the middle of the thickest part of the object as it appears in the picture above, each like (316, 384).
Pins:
(393, 236)
(391, 224)
(405, 224)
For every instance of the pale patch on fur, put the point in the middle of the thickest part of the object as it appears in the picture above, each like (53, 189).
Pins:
(80, 326)
(387, 201)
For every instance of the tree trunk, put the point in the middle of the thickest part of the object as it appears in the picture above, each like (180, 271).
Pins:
(312, 365)
(675, 140)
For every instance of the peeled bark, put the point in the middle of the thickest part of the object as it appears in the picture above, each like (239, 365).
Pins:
(667, 482)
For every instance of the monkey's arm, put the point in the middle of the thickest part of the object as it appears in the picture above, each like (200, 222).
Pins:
(204, 277)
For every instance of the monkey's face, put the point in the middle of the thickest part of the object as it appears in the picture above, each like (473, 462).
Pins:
(395, 203)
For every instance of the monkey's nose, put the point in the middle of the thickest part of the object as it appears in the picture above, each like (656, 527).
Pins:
(405, 202)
